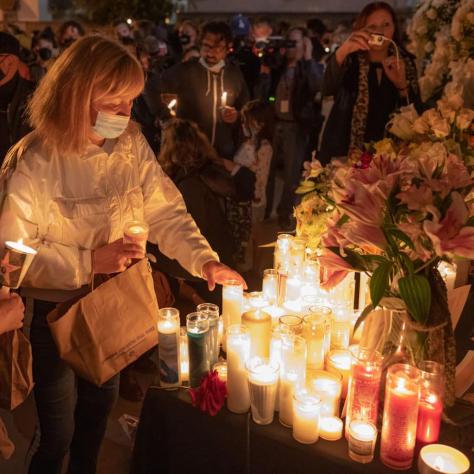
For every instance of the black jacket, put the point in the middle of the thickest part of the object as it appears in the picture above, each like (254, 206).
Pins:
(199, 98)
(342, 82)
(308, 79)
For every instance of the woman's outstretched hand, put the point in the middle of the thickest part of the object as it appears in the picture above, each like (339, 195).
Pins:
(218, 273)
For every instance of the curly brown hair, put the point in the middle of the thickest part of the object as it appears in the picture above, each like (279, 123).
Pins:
(184, 147)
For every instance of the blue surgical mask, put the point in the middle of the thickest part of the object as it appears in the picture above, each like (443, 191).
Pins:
(110, 125)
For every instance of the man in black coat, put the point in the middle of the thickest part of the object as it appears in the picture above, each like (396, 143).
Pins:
(210, 91)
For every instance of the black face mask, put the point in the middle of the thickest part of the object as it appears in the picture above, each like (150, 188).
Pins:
(67, 42)
(45, 54)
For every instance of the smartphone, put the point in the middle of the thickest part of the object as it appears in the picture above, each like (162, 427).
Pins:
(376, 39)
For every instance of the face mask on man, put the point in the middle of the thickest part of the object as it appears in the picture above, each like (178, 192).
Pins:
(110, 125)
(216, 68)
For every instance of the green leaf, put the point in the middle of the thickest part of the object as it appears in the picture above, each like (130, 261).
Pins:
(379, 282)
(415, 291)
(367, 310)
(400, 235)
(355, 260)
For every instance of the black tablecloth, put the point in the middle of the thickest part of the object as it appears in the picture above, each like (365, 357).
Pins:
(173, 437)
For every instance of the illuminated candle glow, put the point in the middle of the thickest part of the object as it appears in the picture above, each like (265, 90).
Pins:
(400, 416)
(330, 428)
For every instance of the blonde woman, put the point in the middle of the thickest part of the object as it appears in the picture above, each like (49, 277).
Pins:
(69, 188)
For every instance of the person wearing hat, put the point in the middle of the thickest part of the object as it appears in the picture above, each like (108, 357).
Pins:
(15, 88)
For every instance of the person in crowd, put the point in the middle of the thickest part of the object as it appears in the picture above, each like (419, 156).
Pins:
(243, 51)
(69, 32)
(70, 199)
(261, 29)
(255, 154)
(192, 163)
(368, 82)
(292, 88)
(43, 46)
(201, 86)
(188, 35)
(123, 31)
(190, 54)
(15, 88)
(316, 30)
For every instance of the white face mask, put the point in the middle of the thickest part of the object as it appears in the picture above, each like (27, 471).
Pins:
(110, 125)
(216, 68)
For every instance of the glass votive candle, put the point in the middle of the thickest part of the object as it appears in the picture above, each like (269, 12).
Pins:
(340, 334)
(431, 402)
(184, 355)
(212, 312)
(221, 369)
(314, 331)
(294, 324)
(292, 374)
(362, 438)
(306, 413)
(262, 382)
(328, 387)
(364, 389)
(169, 347)
(330, 428)
(441, 459)
(136, 232)
(259, 325)
(238, 354)
(197, 327)
(270, 285)
(232, 302)
(282, 251)
(400, 416)
(329, 315)
(340, 361)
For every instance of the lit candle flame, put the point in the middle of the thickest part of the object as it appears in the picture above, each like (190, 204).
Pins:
(431, 398)
(20, 241)
(439, 463)
(172, 104)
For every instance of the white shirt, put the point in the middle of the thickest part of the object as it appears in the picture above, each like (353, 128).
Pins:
(67, 206)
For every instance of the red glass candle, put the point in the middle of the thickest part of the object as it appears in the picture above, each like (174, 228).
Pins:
(431, 403)
(364, 387)
(400, 416)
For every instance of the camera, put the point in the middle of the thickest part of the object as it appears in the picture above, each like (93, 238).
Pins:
(273, 43)
(376, 39)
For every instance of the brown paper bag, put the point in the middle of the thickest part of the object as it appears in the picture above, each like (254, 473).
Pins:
(16, 370)
(109, 328)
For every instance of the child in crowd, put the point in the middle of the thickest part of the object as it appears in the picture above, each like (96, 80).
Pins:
(254, 155)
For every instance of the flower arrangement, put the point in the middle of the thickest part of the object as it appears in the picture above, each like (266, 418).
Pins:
(316, 205)
(441, 34)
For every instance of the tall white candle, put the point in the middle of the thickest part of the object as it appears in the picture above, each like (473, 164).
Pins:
(262, 379)
(169, 348)
(340, 361)
(328, 387)
(238, 353)
(232, 296)
(224, 99)
(306, 417)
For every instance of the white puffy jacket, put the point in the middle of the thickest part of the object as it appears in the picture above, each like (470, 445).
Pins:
(64, 206)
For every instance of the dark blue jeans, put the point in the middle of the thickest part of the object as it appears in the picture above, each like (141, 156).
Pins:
(72, 412)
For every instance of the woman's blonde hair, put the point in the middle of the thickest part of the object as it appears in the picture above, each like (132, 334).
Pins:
(184, 147)
(91, 68)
